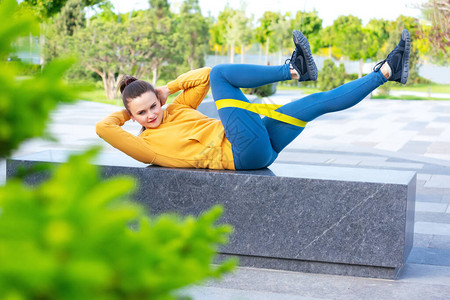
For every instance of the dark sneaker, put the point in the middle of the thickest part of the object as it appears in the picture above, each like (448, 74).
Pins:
(398, 59)
(301, 59)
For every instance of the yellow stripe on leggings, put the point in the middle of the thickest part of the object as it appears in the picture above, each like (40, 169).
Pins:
(267, 110)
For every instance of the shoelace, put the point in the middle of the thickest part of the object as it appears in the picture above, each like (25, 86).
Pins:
(379, 65)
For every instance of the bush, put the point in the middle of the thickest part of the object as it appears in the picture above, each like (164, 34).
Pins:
(70, 237)
(262, 91)
(330, 76)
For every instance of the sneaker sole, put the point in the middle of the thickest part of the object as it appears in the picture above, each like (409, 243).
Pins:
(301, 41)
(405, 60)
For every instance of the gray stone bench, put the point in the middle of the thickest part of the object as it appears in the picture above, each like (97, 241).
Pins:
(346, 221)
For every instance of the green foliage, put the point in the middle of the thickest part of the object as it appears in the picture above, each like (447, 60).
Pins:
(76, 236)
(310, 25)
(281, 38)
(330, 76)
(348, 35)
(412, 25)
(72, 237)
(266, 30)
(25, 104)
(47, 8)
(71, 18)
(437, 35)
(195, 28)
(262, 91)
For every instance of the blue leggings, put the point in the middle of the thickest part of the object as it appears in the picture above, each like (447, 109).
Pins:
(256, 142)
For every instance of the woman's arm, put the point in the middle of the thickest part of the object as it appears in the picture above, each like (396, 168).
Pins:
(195, 86)
(111, 131)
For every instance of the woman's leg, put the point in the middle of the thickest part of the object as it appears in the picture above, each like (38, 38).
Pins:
(315, 105)
(245, 130)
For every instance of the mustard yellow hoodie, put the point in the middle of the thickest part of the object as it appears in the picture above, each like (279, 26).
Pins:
(185, 139)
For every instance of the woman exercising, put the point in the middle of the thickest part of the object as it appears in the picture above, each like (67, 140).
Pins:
(180, 136)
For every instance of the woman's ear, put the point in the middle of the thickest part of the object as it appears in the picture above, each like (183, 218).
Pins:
(131, 117)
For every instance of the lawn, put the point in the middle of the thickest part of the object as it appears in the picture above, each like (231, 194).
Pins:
(98, 95)
(425, 88)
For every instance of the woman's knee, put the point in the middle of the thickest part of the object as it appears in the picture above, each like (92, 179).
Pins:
(216, 72)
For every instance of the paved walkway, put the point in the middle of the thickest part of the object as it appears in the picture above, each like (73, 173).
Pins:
(381, 134)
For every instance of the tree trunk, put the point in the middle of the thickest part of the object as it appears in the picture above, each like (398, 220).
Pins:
(259, 53)
(361, 65)
(110, 88)
(31, 48)
(41, 44)
(232, 53)
(155, 75)
(267, 51)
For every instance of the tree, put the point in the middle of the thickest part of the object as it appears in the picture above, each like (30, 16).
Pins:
(282, 37)
(331, 76)
(310, 25)
(265, 31)
(437, 12)
(412, 24)
(349, 37)
(26, 104)
(71, 237)
(65, 24)
(193, 32)
(47, 8)
(217, 40)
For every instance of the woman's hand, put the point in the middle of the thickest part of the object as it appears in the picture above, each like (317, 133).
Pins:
(162, 93)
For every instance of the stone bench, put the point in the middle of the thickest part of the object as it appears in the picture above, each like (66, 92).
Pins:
(333, 220)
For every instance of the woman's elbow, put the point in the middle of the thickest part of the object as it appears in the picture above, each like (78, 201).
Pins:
(100, 128)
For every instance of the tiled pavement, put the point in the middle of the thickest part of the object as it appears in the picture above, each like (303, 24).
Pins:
(402, 135)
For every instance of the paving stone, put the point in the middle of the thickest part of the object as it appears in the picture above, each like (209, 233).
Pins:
(432, 228)
(439, 147)
(431, 132)
(415, 147)
(431, 207)
(442, 120)
(217, 293)
(362, 131)
(392, 165)
(440, 242)
(422, 240)
(415, 126)
(433, 217)
(423, 176)
(2, 172)
(438, 181)
(430, 256)
(429, 198)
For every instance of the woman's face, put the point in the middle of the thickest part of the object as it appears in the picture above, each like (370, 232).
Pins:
(146, 110)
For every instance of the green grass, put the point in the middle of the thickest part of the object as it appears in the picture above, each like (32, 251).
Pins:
(406, 97)
(434, 88)
(98, 95)
(304, 90)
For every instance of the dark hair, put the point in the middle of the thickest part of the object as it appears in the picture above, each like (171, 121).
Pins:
(131, 87)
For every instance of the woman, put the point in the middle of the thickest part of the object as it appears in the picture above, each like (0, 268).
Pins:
(180, 136)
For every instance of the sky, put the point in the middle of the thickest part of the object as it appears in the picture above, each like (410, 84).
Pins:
(328, 10)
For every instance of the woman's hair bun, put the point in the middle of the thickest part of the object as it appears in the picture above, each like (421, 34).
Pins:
(126, 80)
